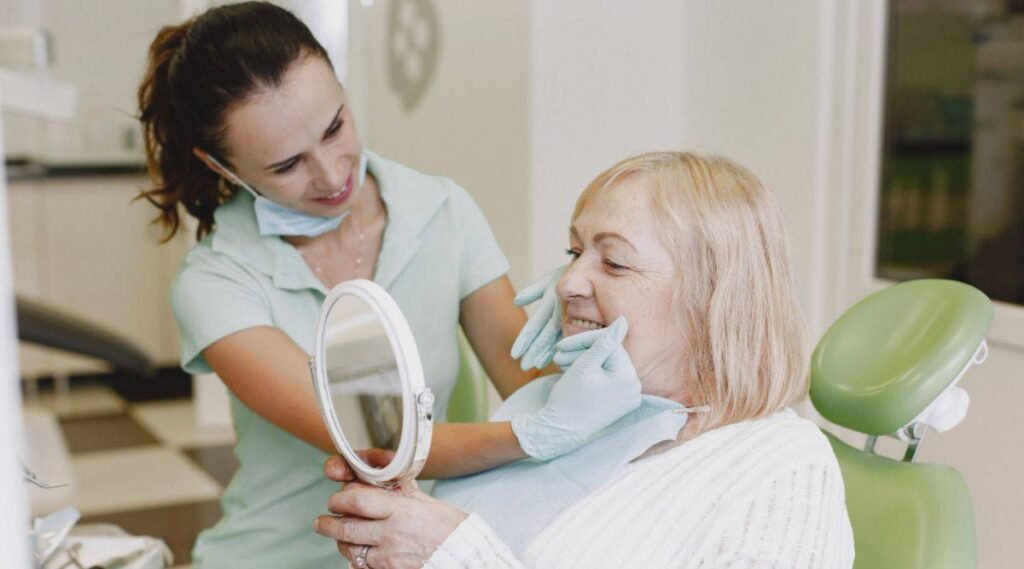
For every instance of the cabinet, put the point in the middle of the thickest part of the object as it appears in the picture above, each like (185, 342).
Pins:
(81, 245)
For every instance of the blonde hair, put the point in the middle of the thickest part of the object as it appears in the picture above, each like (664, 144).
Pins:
(740, 322)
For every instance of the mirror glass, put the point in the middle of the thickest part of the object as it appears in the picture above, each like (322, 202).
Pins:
(362, 375)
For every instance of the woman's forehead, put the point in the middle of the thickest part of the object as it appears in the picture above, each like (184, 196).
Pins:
(278, 122)
(624, 208)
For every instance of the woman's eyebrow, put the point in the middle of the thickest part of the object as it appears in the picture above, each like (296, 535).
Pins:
(337, 117)
(606, 235)
(280, 163)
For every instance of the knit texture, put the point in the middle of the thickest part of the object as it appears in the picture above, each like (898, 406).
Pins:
(763, 493)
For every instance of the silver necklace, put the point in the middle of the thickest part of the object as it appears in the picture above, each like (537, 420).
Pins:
(360, 250)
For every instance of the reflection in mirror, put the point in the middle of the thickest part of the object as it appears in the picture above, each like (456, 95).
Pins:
(365, 388)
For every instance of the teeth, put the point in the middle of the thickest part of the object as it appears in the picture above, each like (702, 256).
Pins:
(585, 324)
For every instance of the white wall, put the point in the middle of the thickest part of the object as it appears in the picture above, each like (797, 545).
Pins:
(751, 94)
(607, 81)
(472, 124)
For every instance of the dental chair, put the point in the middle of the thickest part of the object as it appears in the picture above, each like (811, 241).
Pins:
(890, 367)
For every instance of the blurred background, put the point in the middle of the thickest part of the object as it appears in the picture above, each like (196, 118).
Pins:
(891, 132)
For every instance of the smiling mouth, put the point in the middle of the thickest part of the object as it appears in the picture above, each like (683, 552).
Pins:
(585, 324)
(338, 196)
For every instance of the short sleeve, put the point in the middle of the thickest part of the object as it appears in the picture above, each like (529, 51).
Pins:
(482, 260)
(212, 299)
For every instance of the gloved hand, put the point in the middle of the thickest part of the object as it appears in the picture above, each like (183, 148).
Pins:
(568, 350)
(599, 388)
(535, 345)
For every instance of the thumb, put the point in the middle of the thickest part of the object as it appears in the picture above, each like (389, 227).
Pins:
(618, 363)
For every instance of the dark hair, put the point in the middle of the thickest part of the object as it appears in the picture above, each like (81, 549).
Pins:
(197, 71)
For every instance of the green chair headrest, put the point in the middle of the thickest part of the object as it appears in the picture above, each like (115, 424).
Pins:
(887, 358)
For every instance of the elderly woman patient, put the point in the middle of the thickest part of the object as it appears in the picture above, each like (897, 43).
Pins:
(679, 290)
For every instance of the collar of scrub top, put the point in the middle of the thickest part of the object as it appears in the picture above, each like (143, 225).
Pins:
(237, 235)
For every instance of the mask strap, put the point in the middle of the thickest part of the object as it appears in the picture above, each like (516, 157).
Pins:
(225, 171)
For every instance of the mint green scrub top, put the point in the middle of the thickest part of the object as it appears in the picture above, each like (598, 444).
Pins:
(437, 248)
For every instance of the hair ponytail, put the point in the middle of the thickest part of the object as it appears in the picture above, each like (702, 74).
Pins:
(169, 139)
(196, 71)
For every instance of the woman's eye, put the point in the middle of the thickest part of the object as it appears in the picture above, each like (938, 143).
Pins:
(614, 266)
(574, 253)
(287, 167)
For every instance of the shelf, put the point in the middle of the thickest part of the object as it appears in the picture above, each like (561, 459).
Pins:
(36, 95)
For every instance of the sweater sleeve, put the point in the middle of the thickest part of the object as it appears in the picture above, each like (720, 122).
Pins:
(797, 519)
(473, 545)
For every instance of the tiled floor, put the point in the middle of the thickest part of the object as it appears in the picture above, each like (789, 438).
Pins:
(146, 467)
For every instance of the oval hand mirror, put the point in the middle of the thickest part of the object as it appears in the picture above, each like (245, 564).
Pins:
(369, 382)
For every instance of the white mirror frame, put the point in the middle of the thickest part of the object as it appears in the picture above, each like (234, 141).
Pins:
(417, 399)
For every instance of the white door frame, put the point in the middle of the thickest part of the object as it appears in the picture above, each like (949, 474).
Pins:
(14, 522)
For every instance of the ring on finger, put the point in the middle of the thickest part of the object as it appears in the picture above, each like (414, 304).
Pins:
(361, 558)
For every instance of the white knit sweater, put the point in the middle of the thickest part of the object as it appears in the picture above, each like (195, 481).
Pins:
(764, 493)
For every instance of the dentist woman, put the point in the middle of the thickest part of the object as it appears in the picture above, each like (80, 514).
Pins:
(249, 131)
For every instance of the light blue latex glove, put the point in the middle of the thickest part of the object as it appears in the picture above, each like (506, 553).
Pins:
(535, 345)
(599, 388)
(568, 350)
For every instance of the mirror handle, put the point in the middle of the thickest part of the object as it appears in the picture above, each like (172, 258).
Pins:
(424, 428)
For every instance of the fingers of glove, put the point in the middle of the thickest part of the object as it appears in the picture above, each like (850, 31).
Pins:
(569, 349)
(604, 345)
(538, 288)
(581, 341)
(531, 293)
(350, 529)
(622, 378)
(543, 360)
(536, 325)
(543, 347)
(565, 360)
(618, 363)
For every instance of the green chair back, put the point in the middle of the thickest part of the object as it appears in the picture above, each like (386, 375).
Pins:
(468, 403)
(890, 355)
(876, 369)
(906, 515)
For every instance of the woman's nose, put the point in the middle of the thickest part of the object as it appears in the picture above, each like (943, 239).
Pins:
(574, 282)
(329, 172)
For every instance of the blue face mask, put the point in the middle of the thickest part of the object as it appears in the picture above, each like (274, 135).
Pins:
(274, 219)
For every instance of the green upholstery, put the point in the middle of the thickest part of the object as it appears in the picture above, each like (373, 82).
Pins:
(894, 352)
(906, 515)
(880, 365)
(468, 403)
